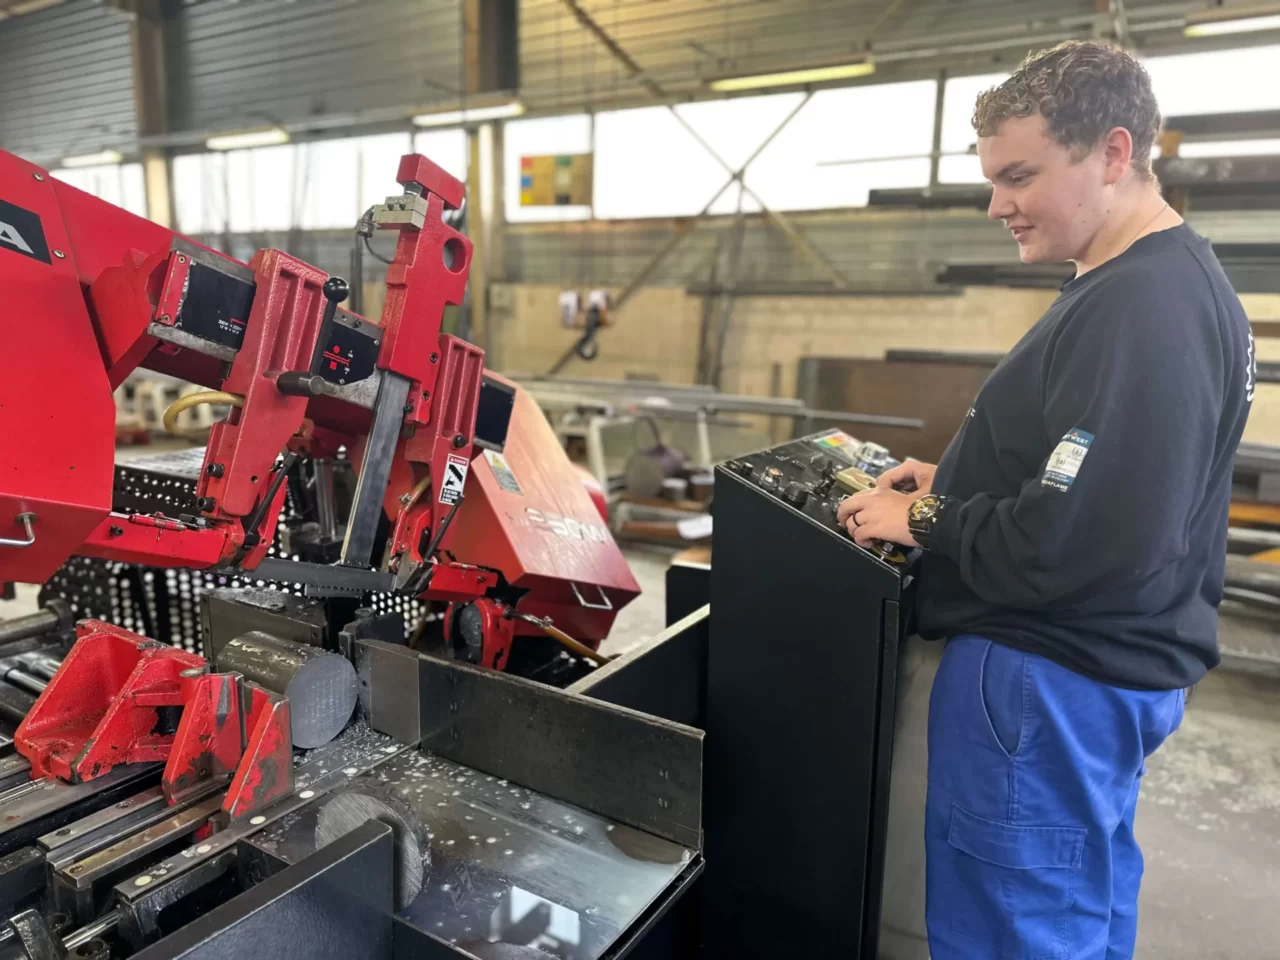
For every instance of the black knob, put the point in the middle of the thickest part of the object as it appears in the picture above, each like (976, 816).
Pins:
(743, 468)
(336, 290)
(796, 494)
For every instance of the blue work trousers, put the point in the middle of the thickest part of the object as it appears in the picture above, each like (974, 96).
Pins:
(1033, 782)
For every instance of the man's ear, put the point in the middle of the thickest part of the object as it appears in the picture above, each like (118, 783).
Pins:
(1117, 149)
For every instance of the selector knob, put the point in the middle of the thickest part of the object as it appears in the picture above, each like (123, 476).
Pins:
(743, 468)
(771, 477)
(796, 494)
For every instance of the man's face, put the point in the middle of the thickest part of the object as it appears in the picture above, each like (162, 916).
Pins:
(1052, 202)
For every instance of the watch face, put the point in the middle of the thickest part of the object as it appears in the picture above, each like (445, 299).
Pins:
(923, 509)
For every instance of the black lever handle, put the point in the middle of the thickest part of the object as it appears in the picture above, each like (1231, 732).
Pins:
(335, 291)
(309, 383)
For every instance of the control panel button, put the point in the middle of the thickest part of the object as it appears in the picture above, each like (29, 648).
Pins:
(771, 477)
(796, 494)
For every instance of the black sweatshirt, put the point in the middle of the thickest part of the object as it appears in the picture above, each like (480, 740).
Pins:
(1093, 475)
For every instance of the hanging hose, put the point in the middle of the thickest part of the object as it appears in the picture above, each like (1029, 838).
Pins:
(195, 400)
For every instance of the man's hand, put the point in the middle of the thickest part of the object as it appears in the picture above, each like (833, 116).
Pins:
(910, 472)
(879, 514)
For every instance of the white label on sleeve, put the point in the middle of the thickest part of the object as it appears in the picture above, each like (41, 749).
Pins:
(1065, 461)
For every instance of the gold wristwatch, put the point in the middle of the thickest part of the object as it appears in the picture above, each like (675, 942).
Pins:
(923, 514)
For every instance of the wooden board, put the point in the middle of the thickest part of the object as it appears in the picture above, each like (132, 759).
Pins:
(939, 393)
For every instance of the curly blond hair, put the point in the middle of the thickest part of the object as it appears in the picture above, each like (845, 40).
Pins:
(1083, 89)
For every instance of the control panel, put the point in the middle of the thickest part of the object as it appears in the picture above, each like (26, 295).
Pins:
(813, 474)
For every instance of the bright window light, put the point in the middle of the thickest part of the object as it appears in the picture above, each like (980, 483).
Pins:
(120, 184)
(1218, 81)
(1230, 148)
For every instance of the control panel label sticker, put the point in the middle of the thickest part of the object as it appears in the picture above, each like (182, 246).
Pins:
(502, 472)
(455, 478)
(1065, 461)
(22, 232)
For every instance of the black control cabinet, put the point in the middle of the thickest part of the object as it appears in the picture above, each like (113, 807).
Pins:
(803, 653)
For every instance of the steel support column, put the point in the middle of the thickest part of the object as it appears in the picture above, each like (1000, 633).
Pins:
(151, 102)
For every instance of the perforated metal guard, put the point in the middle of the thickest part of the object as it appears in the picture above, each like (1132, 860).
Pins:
(161, 603)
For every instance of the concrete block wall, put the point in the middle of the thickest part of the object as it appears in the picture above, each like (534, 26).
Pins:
(656, 335)
(769, 335)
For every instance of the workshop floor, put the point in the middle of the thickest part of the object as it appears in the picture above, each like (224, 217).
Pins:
(1209, 821)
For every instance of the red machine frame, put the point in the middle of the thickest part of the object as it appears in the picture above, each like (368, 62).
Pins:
(114, 280)
(93, 293)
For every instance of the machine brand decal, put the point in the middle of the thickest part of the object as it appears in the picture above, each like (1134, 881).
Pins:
(567, 527)
(502, 472)
(1064, 463)
(455, 478)
(22, 232)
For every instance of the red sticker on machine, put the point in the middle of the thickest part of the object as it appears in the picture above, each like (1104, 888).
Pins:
(455, 478)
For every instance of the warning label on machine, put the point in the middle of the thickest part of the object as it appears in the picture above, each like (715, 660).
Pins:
(455, 478)
(502, 472)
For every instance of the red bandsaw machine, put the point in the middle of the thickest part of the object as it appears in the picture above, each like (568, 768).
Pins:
(462, 495)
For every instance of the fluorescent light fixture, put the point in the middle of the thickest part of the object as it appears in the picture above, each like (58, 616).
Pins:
(102, 158)
(1218, 23)
(477, 114)
(263, 137)
(791, 78)
(31, 6)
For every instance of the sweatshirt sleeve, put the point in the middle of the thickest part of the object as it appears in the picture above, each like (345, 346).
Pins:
(1132, 396)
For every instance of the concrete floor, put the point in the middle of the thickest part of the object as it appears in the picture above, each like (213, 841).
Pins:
(1209, 821)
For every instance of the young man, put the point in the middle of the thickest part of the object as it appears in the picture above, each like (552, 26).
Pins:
(1075, 528)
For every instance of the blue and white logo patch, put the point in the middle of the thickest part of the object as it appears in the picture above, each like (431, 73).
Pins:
(1066, 459)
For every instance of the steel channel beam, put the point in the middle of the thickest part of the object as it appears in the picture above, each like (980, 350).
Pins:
(309, 785)
(46, 805)
(336, 903)
(81, 876)
(566, 746)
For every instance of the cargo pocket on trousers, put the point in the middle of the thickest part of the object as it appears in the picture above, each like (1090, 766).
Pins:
(1014, 884)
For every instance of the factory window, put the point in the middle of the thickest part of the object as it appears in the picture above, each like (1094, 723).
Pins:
(845, 143)
(821, 158)
(379, 158)
(959, 163)
(448, 148)
(633, 179)
(200, 192)
(1220, 81)
(548, 135)
(316, 185)
(263, 191)
(118, 183)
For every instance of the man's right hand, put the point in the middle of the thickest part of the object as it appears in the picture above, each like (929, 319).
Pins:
(908, 474)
